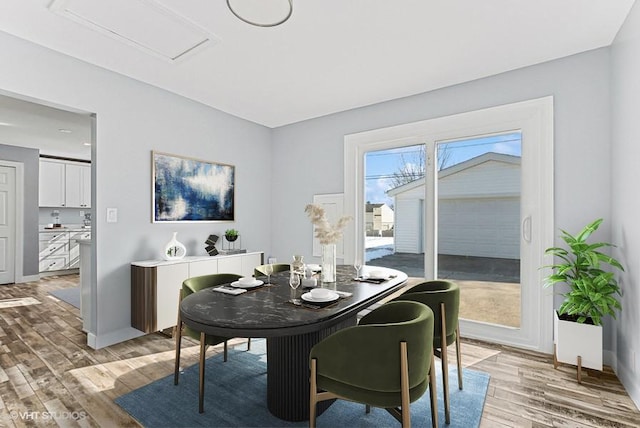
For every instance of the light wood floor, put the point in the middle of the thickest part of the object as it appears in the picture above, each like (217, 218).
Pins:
(49, 377)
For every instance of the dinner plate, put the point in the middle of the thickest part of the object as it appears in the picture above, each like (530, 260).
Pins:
(377, 275)
(254, 284)
(309, 298)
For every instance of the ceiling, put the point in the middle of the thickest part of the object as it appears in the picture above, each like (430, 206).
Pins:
(55, 132)
(331, 56)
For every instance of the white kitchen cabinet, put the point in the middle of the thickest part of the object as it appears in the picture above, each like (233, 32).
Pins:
(77, 186)
(155, 285)
(59, 249)
(74, 248)
(64, 184)
(53, 250)
(52, 184)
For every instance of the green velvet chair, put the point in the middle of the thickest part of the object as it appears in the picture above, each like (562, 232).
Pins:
(277, 267)
(190, 286)
(443, 297)
(385, 361)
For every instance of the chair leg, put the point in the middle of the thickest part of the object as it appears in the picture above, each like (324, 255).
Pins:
(445, 364)
(459, 356)
(433, 393)
(404, 386)
(176, 371)
(203, 349)
(313, 390)
(225, 351)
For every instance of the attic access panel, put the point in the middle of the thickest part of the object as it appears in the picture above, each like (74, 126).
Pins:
(143, 24)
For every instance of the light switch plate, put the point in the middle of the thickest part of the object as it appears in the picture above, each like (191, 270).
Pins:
(112, 215)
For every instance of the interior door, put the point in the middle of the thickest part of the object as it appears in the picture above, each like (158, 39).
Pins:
(7, 224)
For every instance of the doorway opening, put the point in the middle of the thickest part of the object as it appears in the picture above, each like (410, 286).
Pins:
(31, 130)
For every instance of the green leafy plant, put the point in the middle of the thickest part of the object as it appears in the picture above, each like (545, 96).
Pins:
(231, 234)
(592, 292)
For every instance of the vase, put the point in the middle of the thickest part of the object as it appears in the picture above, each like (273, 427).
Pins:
(328, 264)
(174, 250)
(297, 266)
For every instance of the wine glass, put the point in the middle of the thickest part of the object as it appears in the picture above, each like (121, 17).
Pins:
(294, 282)
(357, 264)
(268, 269)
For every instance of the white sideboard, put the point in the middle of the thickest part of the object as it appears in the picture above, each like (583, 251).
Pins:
(155, 285)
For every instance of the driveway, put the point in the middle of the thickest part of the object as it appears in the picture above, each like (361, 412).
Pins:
(489, 287)
(453, 267)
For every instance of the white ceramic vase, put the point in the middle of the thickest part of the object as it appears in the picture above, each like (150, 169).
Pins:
(174, 250)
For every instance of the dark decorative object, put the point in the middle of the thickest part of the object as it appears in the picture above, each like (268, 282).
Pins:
(211, 245)
(190, 190)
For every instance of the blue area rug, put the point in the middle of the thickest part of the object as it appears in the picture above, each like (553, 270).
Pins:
(69, 295)
(235, 396)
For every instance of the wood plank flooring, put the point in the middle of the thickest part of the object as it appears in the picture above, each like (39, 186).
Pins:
(49, 377)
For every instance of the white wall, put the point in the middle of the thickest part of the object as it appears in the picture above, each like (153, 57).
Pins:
(132, 120)
(625, 102)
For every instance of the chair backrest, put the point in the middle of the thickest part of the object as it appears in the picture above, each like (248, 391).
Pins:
(373, 346)
(197, 283)
(433, 293)
(277, 267)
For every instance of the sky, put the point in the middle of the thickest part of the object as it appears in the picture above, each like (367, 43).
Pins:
(380, 165)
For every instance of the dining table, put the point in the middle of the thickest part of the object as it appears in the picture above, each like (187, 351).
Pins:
(290, 325)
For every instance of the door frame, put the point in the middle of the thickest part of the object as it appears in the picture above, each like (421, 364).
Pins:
(19, 220)
(535, 119)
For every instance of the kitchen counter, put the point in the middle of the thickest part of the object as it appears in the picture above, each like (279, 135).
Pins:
(65, 228)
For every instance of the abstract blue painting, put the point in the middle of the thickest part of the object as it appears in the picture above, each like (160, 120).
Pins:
(192, 190)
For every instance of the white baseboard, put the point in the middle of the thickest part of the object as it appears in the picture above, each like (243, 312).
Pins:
(28, 278)
(631, 383)
(609, 358)
(103, 340)
(629, 380)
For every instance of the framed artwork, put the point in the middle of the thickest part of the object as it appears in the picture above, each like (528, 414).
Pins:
(191, 190)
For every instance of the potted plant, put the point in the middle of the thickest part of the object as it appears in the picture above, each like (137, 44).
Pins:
(591, 295)
(231, 234)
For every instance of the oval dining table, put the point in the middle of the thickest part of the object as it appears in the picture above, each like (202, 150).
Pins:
(290, 330)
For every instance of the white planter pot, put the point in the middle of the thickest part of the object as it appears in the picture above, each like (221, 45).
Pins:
(573, 340)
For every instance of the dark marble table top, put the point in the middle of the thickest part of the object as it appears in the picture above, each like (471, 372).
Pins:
(267, 312)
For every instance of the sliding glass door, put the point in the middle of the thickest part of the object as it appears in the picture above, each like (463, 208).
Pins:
(470, 200)
(478, 225)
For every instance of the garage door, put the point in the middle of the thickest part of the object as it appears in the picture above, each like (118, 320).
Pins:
(479, 227)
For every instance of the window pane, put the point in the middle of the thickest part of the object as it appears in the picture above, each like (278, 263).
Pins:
(386, 173)
(478, 225)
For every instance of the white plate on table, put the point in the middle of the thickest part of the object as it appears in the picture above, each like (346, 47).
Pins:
(254, 284)
(377, 274)
(307, 297)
